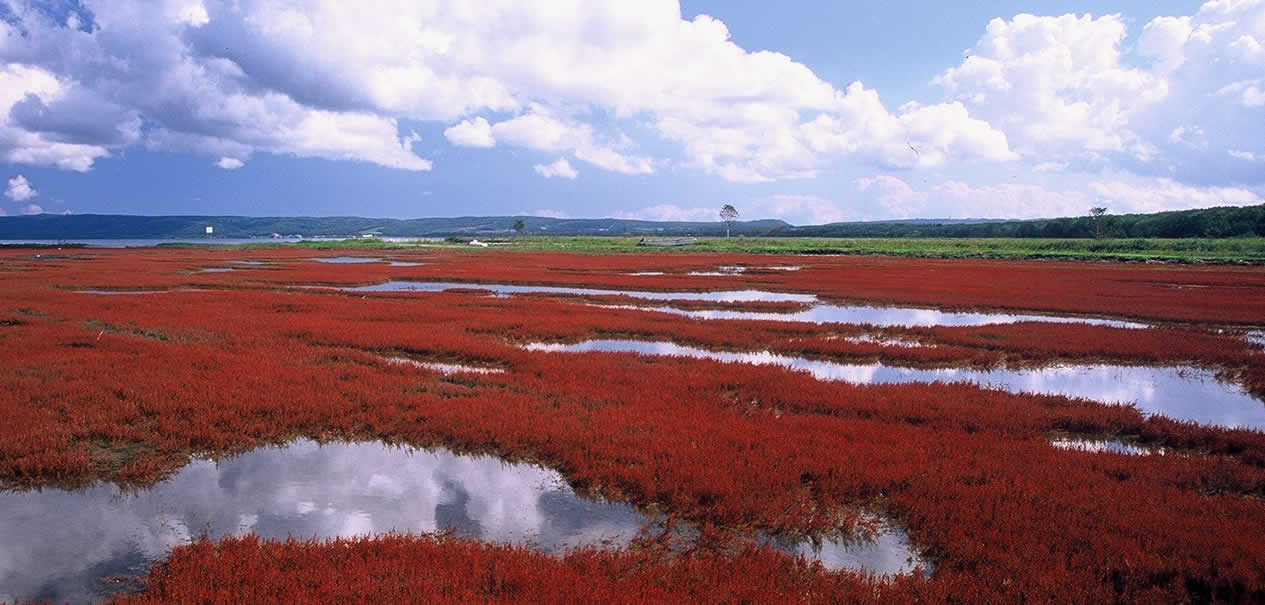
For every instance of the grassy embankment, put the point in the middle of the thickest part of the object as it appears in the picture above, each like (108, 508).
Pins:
(1222, 250)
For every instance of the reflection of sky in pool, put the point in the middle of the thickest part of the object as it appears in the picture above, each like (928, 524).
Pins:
(120, 292)
(726, 296)
(888, 553)
(818, 313)
(348, 260)
(444, 368)
(892, 316)
(1103, 446)
(1179, 393)
(59, 545)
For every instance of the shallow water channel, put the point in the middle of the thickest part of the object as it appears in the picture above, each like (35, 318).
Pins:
(1177, 392)
(819, 312)
(348, 260)
(1098, 446)
(61, 545)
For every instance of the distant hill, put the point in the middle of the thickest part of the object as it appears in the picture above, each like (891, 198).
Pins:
(113, 226)
(1210, 222)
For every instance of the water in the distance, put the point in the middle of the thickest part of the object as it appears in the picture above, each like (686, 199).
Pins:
(348, 260)
(59, 545)
(892, 316)
(1176, 392)
(720, 271)
(819, 312)
(145, 243)
(1112, 446)
(509, 289)
(120, 292)
(444, 368)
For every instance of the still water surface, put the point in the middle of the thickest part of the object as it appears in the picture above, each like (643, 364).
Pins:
(61, 545)
(1181, 393)
(819, 312)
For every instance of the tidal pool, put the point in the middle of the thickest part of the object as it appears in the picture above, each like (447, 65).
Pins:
(819, 312)
(510, 289)
(404, 263)
(1113, 446)
(348, 260)
(738, 269)
(887, 341)
(891, 316)
(61, 545)
(445, 368)
(888, 553)
(721, 270)
(1181, 393)
(114, 292)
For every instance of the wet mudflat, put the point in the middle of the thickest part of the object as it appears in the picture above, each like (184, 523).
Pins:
(79, 546)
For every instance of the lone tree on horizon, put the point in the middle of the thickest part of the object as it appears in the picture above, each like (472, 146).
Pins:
(729, 214)
(519, 225)
(1097, 213)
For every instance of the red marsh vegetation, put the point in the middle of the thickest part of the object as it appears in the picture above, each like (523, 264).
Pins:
(126, 387)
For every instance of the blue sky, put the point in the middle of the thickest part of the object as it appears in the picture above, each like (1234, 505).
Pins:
(813, 112)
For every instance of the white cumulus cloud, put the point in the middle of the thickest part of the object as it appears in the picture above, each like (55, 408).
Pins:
(322, 78)
(670, 212)
(620, 85)
(471, 133)
(228, 163)
(1153, 195)
(889, 197)
(548, 213)
(20, 189)
(561, 168)
(1067, 89)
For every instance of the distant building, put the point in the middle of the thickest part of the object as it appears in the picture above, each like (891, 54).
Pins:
(210, 230)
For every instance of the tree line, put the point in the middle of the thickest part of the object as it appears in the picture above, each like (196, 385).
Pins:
(1246, 221)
